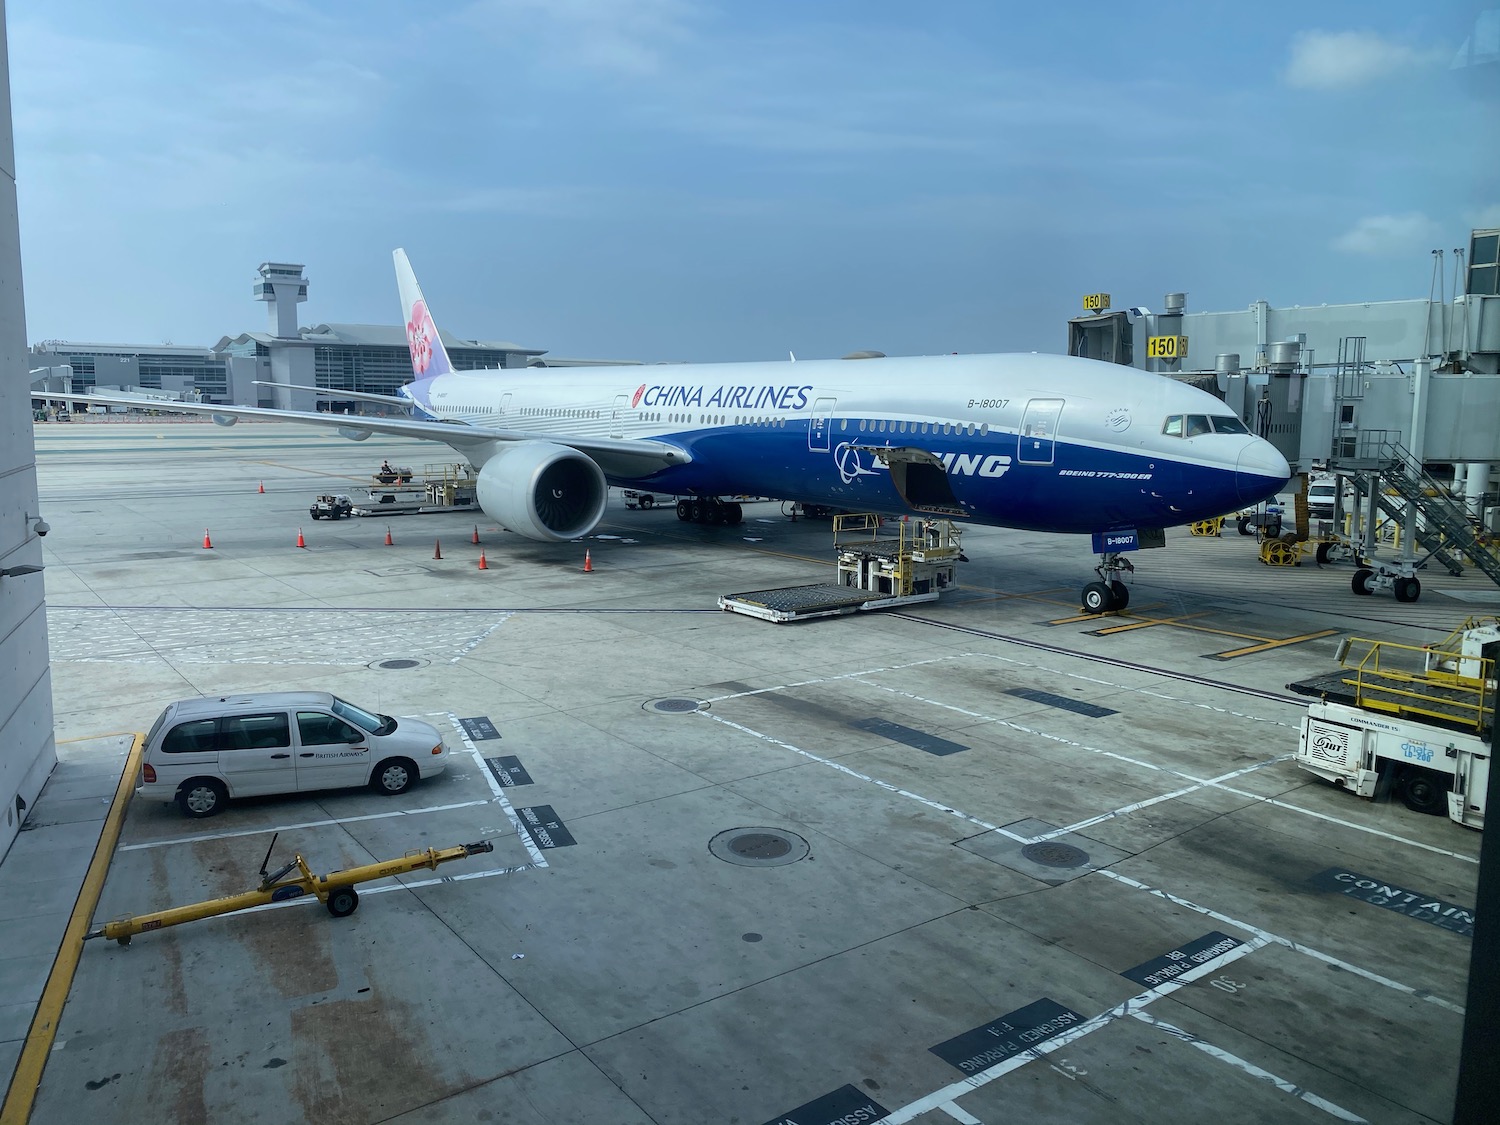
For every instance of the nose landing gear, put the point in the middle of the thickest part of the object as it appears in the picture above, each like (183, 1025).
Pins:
(1109, 593)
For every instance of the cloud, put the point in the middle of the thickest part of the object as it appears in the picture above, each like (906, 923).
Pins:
(604, 36)
(1385, 236)
(1340, 60)
(1485, 218)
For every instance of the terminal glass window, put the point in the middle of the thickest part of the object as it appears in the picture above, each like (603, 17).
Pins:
(1484, 262)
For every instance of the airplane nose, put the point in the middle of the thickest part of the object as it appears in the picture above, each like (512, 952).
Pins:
(1260, 472)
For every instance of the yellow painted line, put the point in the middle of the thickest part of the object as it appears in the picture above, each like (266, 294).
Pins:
(28, 1076)
(1147, 624)
(1108, 614)
(1268, 645)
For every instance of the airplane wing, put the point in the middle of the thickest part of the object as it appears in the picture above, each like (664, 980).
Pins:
(616, 456)
(356, 396)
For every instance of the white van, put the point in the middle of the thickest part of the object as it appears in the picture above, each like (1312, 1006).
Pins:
(1320, 497)
(201, 752)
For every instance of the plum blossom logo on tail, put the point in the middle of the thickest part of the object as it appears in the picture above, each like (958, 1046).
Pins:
(420, 332)
(639, 391)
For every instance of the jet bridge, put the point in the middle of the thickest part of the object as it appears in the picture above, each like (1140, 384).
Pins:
(1379, 427)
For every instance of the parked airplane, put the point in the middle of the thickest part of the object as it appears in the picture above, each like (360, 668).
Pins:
(1038, 442)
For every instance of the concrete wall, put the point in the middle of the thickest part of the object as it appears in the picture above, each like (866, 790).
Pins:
(27, 750)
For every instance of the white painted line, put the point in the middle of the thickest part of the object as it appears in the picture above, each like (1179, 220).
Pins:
(537, 859)
(1287, 942)
(477, 641)
(1224, 711)
(940, 1098)
(1082, 824)
(1198, 782)
(382, 887)
(1342, 823)
(886, 785)
(293, 827)
(1250, 1068)
(953, 1110)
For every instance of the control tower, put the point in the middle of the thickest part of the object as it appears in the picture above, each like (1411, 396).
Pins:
(283, 287)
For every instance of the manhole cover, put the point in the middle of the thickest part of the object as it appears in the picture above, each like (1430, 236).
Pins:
(674, 706)
(759, 847)
(396, 665)
(1050, 853)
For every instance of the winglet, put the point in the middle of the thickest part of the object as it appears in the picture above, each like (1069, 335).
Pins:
(428, 356)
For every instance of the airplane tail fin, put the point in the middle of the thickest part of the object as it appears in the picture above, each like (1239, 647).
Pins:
(428, 356)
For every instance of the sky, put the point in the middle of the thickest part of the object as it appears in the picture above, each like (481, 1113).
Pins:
(707, 180)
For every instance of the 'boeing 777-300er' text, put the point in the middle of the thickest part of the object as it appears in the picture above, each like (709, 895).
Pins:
(1039, 442)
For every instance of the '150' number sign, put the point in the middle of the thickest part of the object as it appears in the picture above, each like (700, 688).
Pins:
(1166, 347)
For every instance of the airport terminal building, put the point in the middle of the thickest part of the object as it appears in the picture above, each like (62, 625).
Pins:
(370, 358)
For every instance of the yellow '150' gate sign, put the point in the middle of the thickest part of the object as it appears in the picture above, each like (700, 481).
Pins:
(1166, 347)
(1096, 302)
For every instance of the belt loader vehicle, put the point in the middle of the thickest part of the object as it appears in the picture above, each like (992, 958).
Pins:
(1420, 719)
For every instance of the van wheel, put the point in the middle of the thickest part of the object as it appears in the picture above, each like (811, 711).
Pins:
(394, 775)
(201, 797)
(343, 901)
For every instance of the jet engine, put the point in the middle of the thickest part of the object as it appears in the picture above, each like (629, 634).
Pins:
(542, 490)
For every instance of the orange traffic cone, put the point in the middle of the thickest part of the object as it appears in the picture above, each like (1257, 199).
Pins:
(301, 542)
(437, 548)
(476, 533)
(482, 564)
(588, 562)
(388, 541)
(262, 486)
(206, 542)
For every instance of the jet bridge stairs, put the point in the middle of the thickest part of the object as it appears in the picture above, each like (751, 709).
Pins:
(1444, 530)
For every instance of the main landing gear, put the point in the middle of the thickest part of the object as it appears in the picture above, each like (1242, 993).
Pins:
(709, 509)
(1109, 593)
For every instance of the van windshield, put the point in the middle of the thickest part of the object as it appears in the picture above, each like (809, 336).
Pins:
(358, 716)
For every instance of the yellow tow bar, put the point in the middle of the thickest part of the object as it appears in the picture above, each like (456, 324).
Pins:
(335, 890)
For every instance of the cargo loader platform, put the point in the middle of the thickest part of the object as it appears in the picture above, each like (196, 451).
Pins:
(915, 565)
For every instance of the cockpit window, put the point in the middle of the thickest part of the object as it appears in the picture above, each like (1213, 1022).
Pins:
(1198, 424)
(1173, 426)
(1228, 424)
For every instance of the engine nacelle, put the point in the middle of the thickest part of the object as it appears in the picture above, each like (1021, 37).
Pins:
(542, 491)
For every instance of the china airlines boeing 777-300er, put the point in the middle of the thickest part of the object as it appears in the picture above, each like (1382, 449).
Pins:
(1037, 442)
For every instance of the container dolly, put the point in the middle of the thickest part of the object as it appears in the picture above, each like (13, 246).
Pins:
(334, 890)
